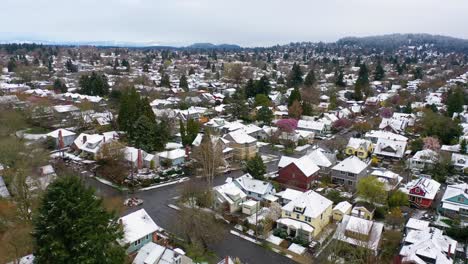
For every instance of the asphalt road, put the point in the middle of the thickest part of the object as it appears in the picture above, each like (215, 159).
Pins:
(156, 204)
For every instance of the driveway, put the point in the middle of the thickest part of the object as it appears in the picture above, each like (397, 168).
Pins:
(156, 204)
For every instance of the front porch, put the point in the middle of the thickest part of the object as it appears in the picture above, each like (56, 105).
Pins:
(296, 229)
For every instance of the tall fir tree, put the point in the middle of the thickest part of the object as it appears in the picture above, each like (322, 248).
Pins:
(295, 96)
(73, 227)
(183, 83)
(295, 76)
(379, 73)
(340, 79)
(310, 78)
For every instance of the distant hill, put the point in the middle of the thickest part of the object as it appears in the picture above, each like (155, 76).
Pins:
(213, 46)
(394, 41)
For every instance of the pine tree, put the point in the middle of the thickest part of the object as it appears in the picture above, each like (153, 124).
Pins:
(455, 101)
(183, 83)
(264, 115)
(262, 86)
(379, 73)
(295, 76)
(295, 96)
(191, 71)
(310, 78)
(143, 133)
(165, 81)
(362, 83)
(250, 90)
(256, 167)
(73, 227)
(463, 146)
(340, 79)
(59, 86)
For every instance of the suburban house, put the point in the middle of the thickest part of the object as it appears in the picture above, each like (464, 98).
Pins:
(389, 178)
(255, 189)
(288, 195)
(62, 137)
(306, 216)
(454, 203)
(324, 160)
(393, 125)
(349, 171)
(360, 233)
(429, 245)
(245, 146)
(361, 148)
(341, 209)
(298, 173)
(423, 160)
(318, 127)
(416, 224)
(173, 157)
(152, 253)
(460, 161)
(364, 211)
(139, 230)
(90, 144)
(421, 191)
(375, 135)
(389, 148)
(140, 158)
(229, 197)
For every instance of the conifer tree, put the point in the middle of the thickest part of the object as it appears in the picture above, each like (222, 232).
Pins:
(310, 78)
(183, 83)
(73, 227)
(379, 73)
(295, 76)
(295, 96)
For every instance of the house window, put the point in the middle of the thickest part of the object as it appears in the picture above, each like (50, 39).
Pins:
(287, 213)
(461, 199)
(350, 182)
(147, 237)
(138, 242)
(298, 216)
(308, 219)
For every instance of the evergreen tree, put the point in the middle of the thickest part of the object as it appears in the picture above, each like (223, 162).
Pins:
(256, 167)
(191, 71)
(463, 146)
(60, 86)
(12, 65)
(165, 81)
(310, 78)
(295, 76)
(264, 115)
(379, 73)
(250, 90)
(295, 96)
(455, 101)
(188, 135)
(161, 136)
(408, 109)
(70, 66)
(280, 80)
(94, 84)
(143, 134)
(262, 86)
(145, 67)
(73, 227)
(307, 109)
(183, 83)
(418, 73)
(362, 83)
(340, 79)
(262, 100)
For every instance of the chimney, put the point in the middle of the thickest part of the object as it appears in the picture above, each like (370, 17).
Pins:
(449, 249)
(60, 138)
(139, 159)
(226, 260)
(155, 237)
(85, 138)
(120, 222)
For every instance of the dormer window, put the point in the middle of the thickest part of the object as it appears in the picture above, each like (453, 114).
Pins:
(299, 209)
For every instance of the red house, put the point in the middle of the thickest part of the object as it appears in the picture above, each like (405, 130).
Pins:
(297, 173)
(421, 192)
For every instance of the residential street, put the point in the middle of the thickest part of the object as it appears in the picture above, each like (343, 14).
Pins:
(156, 204)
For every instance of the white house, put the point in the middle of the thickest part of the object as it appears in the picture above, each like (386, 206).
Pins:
(152, 253)
(428, 246)
(390, 148)
(229, 194)
(255, 189)
(423, 160)
(359, 232)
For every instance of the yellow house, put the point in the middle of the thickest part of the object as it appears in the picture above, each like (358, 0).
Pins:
(306, 216)
(341, 209)
(361, 148)
(363, 211)
(244, 145)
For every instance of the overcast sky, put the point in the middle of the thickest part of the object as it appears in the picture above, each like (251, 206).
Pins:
(244, 22)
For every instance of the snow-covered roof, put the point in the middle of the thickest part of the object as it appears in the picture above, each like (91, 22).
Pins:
(351, 164)
(373, 230)
(298, 225)
(4, 193)
(343, 207)
(65, 133)
(230, 192)
(456, 196)
(385, 135)
(65, 108)
(249, 184)
(289, 194)
(152, 253)
(429, 243)
(357, 143)
(417, 224)
(390, 148)
(172, 154)
(428, 186)
(137, 225)
(312, 203)
(322, 158)
(241, 137)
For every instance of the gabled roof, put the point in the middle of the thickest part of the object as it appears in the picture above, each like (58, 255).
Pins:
(313, 203)
(240, 137)
(351, 164)
(390, 148)
(289, 194)
(137, 225)
(248, 183)
(305, 164)
(55, 133)
(343, 207)
(322, 158)
(428, 186)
